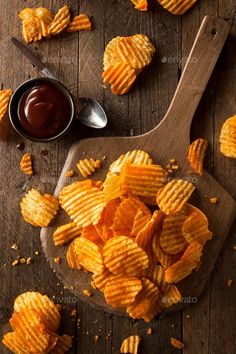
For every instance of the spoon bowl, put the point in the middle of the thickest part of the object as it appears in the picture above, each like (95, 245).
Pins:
(91, 113)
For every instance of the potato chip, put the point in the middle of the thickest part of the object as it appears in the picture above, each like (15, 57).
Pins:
(60, 21)
(71, 257)
(195, 228)
(176, 343)
(136, 51)
(140, 221)
(134, 157)
(43, 14)
(38, 209)
(130, 345)
(31, 330)
(172, 240)
(27, 13)
(141, 5)
(88, 255)
(100, 280)
(83, 202)
(112, 186)
(177, 7)
(79, 23)
(5, 96)
(228, 138)
(42, 305)
(124, 216)
(26, 164)
(146, 304)
(142, 180)
(156, 274)
(123, 256)
(172, 197)
(91, 234)
(66, 233)
(109, 57)
(121, 291)
(120, 76)
(103, 228)
(196, 154)
(31, 29)
(13, 342)
(188, 262)
(64, 343)
(88, 166)
(170, 296)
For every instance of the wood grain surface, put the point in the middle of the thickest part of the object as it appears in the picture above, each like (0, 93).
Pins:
(207, 327)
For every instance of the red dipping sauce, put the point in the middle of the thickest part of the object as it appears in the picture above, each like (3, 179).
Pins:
(44, 111)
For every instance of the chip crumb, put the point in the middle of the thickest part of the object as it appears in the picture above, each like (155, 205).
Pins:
(214, 200)
(23, 260)
(104, 157)
(96, 338)
(14, 247)
(172, 160)
(74, 312)
(57, 260)
(28, 260)
(36, 253)
(175, 167)
(16, 262)
(170, 171)
(229, 282)
(188, 316)
(149, 331)
(176, 343)
(69, 173)
(87, 293)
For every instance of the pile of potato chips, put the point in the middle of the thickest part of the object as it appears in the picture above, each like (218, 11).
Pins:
(124, 59)
(135, 232)
(35, 321)
(40, 22)
(176, 7)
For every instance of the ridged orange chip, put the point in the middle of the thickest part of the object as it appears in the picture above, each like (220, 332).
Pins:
(42, 305)
(30, 328)
(120, 76)
(123, 256)
(109, 57)
(136, 51)
(71, 257)
(66, 233)
(157, 275)
(142, 180)
(100, 280)
(112, 186)
(130, 345)
(172, 197)
(146, 305)
(43, 14)
(103, 228)
(31, 29)
(177, 7)
(134, 157)
(60, 21)
(26, 164)
(196, 154)
(88, 166)
(172, 240)
(140, 221)
(89, 255)
(141, 5)
(15, 342)
(5, 96)
(228, 138)
(79, 23)
(121, 291)
(195, 228)
(64, 343)
(91, 234)
(26, 13)
(188, 262)
(38, 209)
(124, 216)
(170, 296)
(83, 202)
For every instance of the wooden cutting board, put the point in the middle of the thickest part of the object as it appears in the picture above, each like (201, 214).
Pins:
(170, 139)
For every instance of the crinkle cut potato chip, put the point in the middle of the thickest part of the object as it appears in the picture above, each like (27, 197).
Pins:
(14, 342)
(120, 76)
(60, 21)
(125, 214)
(88, 166)
(38, 209)
(170, 296)
(195, 228)
(5, 96)
(146, 305)
(172, 240)
(122, 256)
(109, 57)
(134, 157)
(42, 305)
(130, 345)
(103, 228)
(177, 7)
(228, 138)
(26, 164)
(141, 5)
(140, 221)
(66, 233)
(100, 280)
(31, 29)
(196, 154)
(156, 273)
(137, 51)
(142, 180)
(71, 257)
(90, 233)
(64, 343)
(88, 255)
(172, 197)
(43, 14)
(189, 261)
(121, 291)
(83, 202)
(111, 187)
(79, 23)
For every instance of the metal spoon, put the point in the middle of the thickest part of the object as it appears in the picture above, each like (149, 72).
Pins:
(89, 111)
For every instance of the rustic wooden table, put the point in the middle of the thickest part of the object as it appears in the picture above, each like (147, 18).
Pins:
(207, 327)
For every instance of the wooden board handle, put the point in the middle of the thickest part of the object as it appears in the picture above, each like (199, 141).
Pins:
(198, 69)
